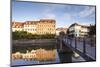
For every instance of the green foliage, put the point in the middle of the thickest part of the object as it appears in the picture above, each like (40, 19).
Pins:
(25, 35)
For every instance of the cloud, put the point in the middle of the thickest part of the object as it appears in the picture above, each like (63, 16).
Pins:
(67, 16)
(50, 11)
(84, 23)
(49, 16)
(47, 13)
(87, 12)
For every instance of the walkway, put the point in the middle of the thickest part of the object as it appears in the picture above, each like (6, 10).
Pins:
(85, 49)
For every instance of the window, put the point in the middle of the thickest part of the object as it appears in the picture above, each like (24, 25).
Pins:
(76, 34)
(34, 29)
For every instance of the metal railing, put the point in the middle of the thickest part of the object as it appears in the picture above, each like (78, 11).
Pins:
(87, 46)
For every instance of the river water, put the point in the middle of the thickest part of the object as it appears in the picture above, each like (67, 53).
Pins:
(35, 62)
(29, 47)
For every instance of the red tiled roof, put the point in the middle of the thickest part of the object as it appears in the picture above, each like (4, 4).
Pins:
(30, 22)
(17, 24)
(61, 29)
(78, 25)
(47, 20)
(20, 24)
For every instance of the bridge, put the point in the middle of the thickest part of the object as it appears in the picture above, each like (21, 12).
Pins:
(81, 48)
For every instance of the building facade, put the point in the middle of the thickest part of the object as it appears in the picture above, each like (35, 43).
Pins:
(58, 30)
(17, 26)
(30, 26)
(78, 30)
(41, 27)
(46, 27)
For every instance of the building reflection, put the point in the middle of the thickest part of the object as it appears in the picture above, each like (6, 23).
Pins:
(38, 54)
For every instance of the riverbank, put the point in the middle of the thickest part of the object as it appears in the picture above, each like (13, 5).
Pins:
(34, 41)
(23, 45)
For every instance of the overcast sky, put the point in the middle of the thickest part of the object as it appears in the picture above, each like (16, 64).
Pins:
(64, 15)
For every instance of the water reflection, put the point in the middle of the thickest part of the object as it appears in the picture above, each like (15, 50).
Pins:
(38, 56)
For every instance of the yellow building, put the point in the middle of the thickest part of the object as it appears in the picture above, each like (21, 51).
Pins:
(41, 27)
(45, 26)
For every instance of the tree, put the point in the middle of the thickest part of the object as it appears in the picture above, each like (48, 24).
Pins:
(25, 35)
(67, 31)
(62, 33)
(92, 30)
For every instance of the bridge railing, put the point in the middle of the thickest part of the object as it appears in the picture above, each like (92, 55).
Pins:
(85, 45)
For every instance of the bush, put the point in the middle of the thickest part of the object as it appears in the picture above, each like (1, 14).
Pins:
(25, 35)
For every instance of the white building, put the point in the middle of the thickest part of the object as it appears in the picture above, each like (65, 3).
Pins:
(78, 30)
(58, 30)
(30, 26)
(17, 26)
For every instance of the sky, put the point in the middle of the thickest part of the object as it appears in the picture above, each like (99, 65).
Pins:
(64, 14)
